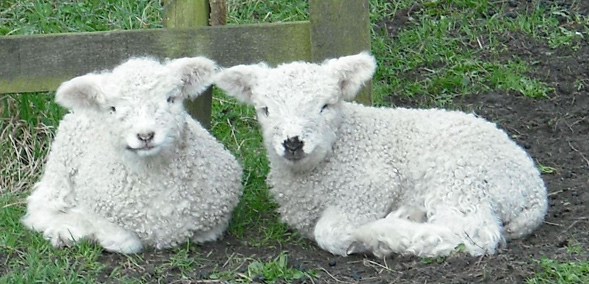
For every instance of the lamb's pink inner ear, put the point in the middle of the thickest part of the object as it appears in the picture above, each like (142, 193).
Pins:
(352, 72)
(238, 81)
(80, 93)
(196, 74)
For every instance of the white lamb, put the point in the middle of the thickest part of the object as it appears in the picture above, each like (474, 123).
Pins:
(364, 179)
(129, 167)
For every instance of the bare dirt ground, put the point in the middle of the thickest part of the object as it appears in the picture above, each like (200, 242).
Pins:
(554, 131)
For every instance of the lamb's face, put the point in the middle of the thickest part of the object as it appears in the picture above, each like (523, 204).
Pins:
(299, 109)
(139, 104)
(144, 109)
(299, 105)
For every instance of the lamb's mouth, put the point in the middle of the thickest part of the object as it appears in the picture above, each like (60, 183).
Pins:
(294, 156)
(145, 148)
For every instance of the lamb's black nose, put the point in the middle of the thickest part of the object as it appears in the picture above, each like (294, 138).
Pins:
(293, 144)
(145, 136)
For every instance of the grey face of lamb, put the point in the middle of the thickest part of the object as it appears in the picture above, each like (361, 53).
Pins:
(139, 104)
(299, 105)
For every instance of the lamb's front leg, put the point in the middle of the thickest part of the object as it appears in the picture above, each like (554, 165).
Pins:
(114, 238)
(67, 227)
(64, 223)
(211, 235)
(333, 231)
(49, 210)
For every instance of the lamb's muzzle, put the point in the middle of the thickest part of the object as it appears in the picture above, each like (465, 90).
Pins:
(293, 148)
(145, 136)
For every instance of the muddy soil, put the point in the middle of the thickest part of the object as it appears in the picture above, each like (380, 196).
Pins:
(554, 131)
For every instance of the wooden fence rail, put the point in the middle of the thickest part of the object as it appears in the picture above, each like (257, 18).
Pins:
(36, 63)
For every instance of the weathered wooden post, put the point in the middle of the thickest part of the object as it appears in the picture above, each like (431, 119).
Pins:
(340, 27)
(192, 14)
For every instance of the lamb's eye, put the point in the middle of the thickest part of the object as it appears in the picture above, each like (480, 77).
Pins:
(112, 109)
(324, 107)
(264, 110)
(171, 99)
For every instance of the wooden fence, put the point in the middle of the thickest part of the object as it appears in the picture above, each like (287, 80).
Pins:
(38, 63)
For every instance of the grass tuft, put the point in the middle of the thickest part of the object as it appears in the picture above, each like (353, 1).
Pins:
(452, 48)
(25, 17)
(28, 123)
(277, 269)
(266, 11)
(555, 272)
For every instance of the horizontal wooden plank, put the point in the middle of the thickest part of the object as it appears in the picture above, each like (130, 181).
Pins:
(41, 62)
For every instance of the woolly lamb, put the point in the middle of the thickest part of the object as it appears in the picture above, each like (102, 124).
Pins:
(361, 179)
(129, 167)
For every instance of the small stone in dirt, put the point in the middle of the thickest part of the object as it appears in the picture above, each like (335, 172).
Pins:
(298, 266)
(511, 15)
(489, 13)
(259, 279)
(546, 4)
(527, 146)
(332, 262)
(356, 276)
(566, 88)
(563, 243)
(149, 269)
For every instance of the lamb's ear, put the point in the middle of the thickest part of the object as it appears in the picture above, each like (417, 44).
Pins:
(352, 72)
(239, 80)
(196, 74)
(81, 93)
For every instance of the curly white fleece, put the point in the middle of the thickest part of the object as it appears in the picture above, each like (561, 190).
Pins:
(381, 180)
(101, 182)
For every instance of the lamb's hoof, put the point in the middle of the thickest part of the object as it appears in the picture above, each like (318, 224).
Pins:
(62, 236)
(357, 247)
(381, 249)
(131, 248)
(125, 244)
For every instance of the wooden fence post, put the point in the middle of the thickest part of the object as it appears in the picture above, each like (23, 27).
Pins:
(191, 14)
(338, 28)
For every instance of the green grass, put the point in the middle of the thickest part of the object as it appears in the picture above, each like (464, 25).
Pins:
(455, 48)
(555, 272)
(445, 49)
(31, 258)
(269, 11)
(274, 270)
(24, 17)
